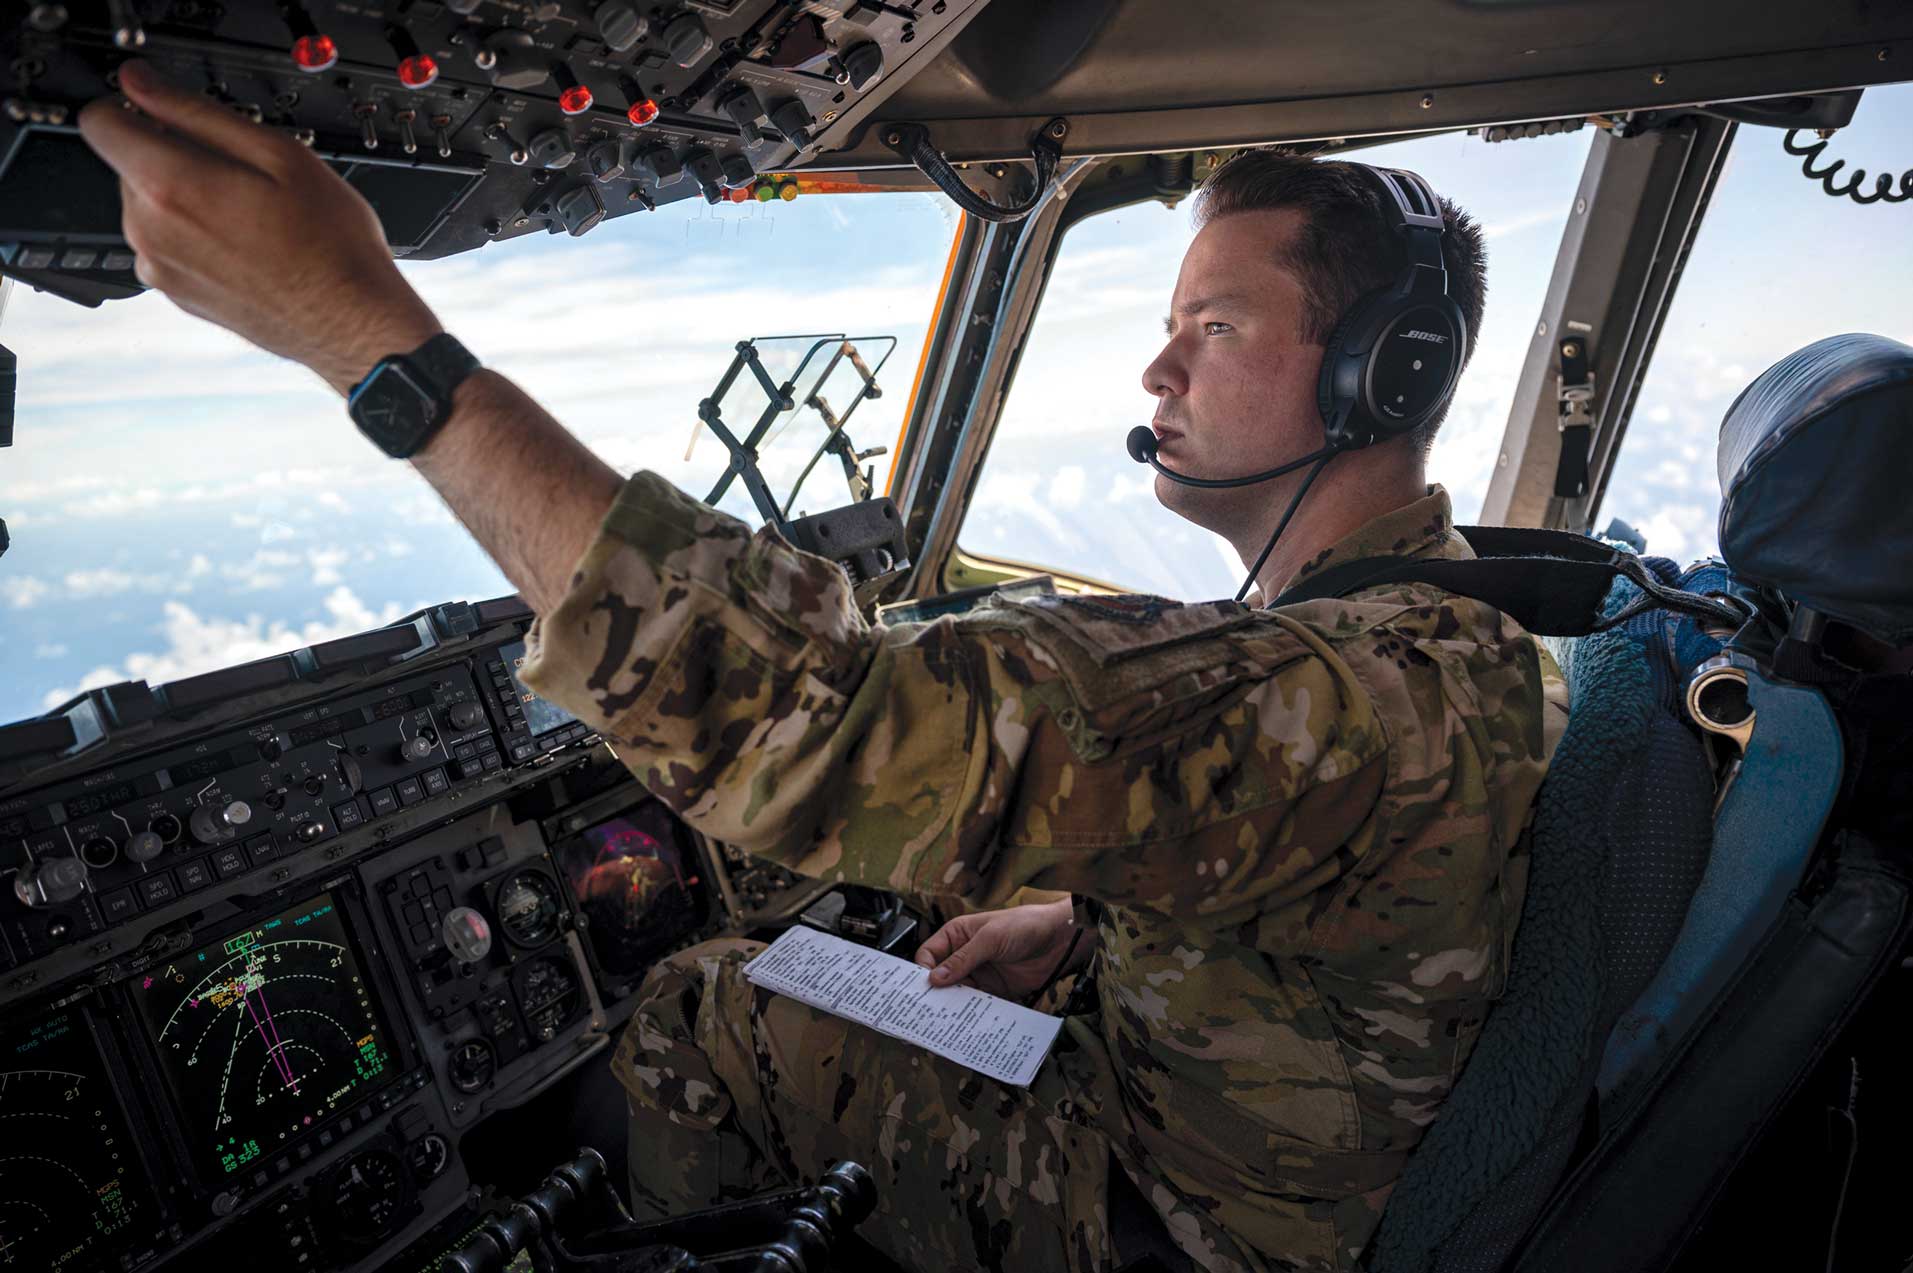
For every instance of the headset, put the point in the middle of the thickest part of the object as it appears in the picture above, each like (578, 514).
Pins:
(1389, 364)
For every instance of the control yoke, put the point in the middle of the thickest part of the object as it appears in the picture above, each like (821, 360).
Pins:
(574, 1223)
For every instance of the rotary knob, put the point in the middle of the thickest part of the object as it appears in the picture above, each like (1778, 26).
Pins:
(511, 59)
(686, 40)
(144, 847)
(50, 882)
(465, 715)
(211, 824)
(414, 749)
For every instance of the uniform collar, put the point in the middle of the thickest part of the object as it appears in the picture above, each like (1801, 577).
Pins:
(1423, 528)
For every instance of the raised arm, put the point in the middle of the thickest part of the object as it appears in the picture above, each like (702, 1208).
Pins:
(1215, 771)
(245, 227)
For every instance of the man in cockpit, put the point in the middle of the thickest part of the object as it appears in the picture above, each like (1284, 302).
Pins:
(1295, 836)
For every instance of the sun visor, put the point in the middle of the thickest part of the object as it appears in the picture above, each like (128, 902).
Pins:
(1816, 474)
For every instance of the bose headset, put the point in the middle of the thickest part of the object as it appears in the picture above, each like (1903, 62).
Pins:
(1388, 366)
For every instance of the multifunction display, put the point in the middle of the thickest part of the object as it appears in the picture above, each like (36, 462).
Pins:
(72, 1194)
(637, 884)
(541, 716)
(266, 1034)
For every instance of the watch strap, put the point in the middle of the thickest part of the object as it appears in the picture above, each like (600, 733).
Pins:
(445, 363)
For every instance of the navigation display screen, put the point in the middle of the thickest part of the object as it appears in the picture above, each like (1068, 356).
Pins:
(540, 716)
(266, 1034)
(72, 1195)
(637, 882)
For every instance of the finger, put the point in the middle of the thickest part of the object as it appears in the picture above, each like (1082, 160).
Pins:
(143, 152)
(211, 124)
(965, 959)
(937, 947)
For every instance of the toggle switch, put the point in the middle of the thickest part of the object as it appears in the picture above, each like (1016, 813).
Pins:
(312, 52)
(573, 97)
(642, 108)
(368, 128)
(415, 69)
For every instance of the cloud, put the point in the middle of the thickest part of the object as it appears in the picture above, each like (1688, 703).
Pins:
(196, 643)
(24, 592)
(325, 564)
(49, 650)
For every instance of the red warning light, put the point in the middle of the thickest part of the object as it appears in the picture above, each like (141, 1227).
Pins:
(314, 53)
(418, 71)
(642, 112)
(575, 100)
(739, 194)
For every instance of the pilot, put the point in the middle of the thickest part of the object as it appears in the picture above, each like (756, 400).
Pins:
(1296, 835)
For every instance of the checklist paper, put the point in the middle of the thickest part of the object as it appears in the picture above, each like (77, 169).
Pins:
(960, 1023)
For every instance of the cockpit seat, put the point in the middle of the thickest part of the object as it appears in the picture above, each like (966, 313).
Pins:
(1679, 968)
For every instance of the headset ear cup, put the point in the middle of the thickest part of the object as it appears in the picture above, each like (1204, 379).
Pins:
(1325, 401)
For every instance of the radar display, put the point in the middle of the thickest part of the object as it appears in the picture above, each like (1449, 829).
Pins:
(72, 1193)
(266, 1034)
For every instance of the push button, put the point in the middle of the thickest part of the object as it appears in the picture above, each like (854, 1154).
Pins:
(347, 816)
(194, 876)
(409, 791)
(158, 889)
(118, 905)
(384, 802)
(230, 861)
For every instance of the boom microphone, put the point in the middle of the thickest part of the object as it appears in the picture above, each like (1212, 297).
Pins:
(1143, 445)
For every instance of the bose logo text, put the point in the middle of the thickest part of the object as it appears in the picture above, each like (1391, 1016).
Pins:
(1431, 337)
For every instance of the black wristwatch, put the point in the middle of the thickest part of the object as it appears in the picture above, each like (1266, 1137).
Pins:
(404, 399)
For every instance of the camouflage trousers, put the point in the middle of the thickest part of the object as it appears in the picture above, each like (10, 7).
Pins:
(734, 1090)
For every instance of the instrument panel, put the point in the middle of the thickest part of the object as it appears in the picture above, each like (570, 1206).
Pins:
(276, 945)
(460, 121)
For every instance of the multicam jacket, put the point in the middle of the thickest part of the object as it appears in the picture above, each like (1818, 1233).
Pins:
(1306, 825)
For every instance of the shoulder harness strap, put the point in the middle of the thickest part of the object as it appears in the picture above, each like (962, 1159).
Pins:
(1551, 582)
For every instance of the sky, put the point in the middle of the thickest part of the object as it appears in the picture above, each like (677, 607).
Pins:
(180, 502)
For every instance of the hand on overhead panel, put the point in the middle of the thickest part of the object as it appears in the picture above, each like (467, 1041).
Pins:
(243, 226)
(1013, 952)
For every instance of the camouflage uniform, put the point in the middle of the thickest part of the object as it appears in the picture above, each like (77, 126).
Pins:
(1307, 828)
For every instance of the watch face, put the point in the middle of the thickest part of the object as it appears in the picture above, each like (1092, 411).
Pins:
(394, 407)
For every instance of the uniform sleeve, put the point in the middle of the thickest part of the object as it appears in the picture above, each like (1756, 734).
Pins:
(1209, 771)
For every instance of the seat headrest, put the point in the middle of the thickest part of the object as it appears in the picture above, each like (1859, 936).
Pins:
(1816, 479)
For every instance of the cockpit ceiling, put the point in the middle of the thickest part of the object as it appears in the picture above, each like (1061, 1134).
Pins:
(1145, 75)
